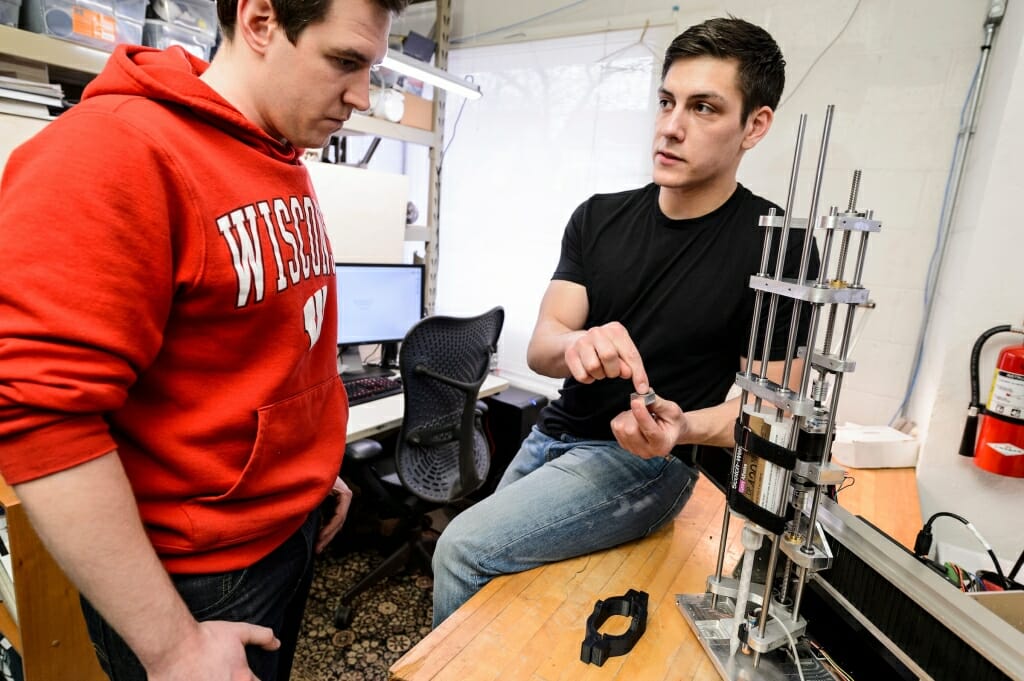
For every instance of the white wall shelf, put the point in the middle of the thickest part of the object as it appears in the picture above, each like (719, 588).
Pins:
(379, 127)
(43, 49)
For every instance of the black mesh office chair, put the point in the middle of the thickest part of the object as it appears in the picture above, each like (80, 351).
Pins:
(442, 453)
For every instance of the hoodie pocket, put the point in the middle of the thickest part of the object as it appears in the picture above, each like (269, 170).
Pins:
(296, 457)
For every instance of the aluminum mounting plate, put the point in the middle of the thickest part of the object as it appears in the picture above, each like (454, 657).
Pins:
(711, 627)
(809, 292)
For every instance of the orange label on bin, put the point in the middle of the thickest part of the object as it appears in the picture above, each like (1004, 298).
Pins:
(92, 24)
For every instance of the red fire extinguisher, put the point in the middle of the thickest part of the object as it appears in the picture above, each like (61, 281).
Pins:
(998, 446)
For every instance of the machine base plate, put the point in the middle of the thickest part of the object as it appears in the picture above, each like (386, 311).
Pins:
(711, 626)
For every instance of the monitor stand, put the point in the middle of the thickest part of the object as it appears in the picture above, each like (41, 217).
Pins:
(350, 363)
(389, 356)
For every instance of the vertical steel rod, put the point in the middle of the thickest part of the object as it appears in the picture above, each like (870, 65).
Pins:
(861, 253)
(783, 245)
(722, 545)
(816, 192)
(766, 598)
(808, 244)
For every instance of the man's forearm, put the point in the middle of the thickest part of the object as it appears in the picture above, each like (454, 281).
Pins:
(716, 425)
(546, 352)
(88, 519)
(712, 426)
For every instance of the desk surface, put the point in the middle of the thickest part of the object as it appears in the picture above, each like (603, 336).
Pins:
(377, 416)
(529, 626)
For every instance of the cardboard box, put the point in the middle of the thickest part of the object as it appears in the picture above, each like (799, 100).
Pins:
(1009, 605)
(419, 112)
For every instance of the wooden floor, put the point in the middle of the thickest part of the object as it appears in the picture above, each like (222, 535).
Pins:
(530, 626)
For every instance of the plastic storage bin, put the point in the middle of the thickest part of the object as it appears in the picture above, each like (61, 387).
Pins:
(163, 35)
(197, 15)
(129, 31)
(89, 22)
(9, 10)
(130, 15)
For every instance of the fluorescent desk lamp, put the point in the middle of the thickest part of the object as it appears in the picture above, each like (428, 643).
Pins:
(406, 65)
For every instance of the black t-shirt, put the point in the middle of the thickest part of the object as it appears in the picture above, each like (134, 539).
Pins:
(682, 290)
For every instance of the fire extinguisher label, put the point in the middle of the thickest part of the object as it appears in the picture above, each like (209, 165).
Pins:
(1006, 449)
(1007, 396)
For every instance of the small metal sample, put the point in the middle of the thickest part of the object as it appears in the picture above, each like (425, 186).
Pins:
(648, 397)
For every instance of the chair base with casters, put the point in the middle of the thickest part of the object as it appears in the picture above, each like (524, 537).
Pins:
(360, 457)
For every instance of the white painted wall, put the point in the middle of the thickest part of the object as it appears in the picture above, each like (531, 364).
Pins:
(981, 288)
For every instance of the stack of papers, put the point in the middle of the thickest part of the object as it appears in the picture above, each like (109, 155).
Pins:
(27, 98)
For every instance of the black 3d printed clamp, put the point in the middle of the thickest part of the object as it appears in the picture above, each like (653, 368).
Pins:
(597, 647)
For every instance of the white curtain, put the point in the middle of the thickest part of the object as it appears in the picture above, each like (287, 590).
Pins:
(559, 120)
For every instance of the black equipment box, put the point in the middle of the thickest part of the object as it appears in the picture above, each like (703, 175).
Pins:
(510, 416)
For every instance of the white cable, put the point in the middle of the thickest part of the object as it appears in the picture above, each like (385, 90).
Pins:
(792, 644)
(820, 55)
(861, 323)
(973, 529)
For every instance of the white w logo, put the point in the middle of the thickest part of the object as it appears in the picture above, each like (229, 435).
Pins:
(313, 314)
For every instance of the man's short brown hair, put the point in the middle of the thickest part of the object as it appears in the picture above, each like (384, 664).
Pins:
(294, 15)
(761, 68)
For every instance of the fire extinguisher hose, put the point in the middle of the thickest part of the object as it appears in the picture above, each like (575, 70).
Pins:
(976, 407)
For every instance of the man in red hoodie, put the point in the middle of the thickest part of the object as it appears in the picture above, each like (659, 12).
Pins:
(170, 411)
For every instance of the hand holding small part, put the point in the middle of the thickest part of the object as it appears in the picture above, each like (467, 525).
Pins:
(651, 426)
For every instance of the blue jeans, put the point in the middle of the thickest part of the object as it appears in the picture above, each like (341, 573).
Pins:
(559, 498)
(272, 593)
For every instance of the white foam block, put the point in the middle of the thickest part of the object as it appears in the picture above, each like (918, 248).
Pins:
(873, 447)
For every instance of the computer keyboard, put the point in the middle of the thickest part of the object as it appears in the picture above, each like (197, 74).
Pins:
(371, 388)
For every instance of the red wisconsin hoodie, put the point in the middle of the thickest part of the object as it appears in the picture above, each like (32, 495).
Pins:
(168, 291)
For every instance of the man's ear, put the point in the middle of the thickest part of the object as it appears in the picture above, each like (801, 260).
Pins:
(758, 124)
(255, 23)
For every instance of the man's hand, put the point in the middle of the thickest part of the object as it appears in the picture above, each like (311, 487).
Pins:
(215, 652)
(343, 496)
(606, 351)
(650, 431)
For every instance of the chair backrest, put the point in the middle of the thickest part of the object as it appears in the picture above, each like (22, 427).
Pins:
(442, 453)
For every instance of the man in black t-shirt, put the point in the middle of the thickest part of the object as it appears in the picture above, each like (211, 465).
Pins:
(651, 291)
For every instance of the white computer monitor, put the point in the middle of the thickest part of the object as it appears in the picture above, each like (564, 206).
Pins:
(377, 303)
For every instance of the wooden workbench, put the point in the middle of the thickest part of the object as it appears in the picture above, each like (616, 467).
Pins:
(529, 626)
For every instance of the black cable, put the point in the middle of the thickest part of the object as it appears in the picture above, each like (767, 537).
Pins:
(976, 356)
(940, 514)
(923, 542)
(1016, 566)
(995, 561)
(971, 424)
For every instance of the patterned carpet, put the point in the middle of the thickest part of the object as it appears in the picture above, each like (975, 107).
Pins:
(390, 619)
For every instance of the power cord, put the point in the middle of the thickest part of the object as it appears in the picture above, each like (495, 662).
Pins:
(923, 543)
(792, 644)
(1016, 566)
